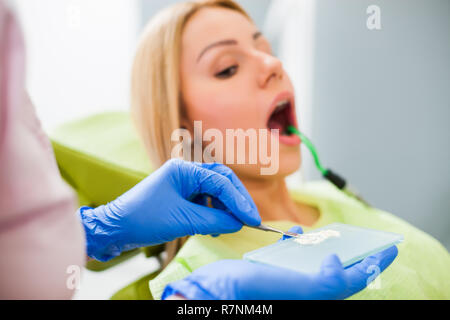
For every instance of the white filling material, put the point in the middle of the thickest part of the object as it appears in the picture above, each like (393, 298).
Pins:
(317, 237)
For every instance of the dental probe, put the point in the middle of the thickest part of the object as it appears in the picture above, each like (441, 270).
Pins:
(331, 176)
(271, 229)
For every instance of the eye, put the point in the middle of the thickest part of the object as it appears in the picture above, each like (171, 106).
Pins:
(227, 73)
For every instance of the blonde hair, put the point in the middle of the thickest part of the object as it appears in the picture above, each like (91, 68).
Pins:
(156, 99)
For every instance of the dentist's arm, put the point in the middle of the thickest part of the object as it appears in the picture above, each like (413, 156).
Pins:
(165, 206)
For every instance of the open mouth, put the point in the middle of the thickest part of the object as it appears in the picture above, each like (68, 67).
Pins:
(282, 117)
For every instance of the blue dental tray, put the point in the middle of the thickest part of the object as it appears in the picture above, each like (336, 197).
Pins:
(352, 245)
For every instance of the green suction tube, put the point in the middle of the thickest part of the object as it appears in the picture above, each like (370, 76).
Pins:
(310, 146)
(331, 176)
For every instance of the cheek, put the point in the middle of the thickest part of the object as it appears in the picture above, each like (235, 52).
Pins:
(222, 109)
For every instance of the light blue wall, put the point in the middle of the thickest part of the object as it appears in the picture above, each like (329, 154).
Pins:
(382, 105)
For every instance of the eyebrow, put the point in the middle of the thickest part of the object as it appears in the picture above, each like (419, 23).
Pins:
(228, 42)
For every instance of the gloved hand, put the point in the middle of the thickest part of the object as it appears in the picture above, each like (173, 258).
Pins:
(239, 279)
(162, 208)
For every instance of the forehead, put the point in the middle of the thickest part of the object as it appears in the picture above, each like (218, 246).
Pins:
(209, 25)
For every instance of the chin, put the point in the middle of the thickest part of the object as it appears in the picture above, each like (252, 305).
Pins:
(290, 161)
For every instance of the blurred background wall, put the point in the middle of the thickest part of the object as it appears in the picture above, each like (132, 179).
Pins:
(78, 54)
(256, 8)
(381, 104)
(376, 103)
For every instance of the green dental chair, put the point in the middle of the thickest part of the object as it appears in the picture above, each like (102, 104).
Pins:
(101, 157)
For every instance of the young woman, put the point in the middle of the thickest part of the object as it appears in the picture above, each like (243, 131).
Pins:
(206, 61)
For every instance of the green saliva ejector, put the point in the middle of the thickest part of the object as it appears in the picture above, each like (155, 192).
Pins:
(331, 176)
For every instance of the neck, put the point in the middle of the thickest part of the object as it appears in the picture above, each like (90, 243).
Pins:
(274, 202)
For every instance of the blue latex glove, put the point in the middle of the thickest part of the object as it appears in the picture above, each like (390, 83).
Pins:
(168, 205)
(239, 279)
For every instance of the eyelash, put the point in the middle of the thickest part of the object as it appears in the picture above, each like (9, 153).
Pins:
(225, 74)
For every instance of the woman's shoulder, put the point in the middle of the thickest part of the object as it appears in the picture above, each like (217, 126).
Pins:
(321, 191)
(349, 210)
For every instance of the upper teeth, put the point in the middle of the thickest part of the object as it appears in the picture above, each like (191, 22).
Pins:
(282, 104)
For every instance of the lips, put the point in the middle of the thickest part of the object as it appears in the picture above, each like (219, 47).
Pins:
(282, 115)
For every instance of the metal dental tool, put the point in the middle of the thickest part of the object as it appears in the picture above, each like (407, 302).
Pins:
(271, 229)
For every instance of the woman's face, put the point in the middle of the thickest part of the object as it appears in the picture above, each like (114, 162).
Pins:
(230, 80)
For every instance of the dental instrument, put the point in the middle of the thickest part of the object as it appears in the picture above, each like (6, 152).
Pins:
(331, 176)
(264, 227)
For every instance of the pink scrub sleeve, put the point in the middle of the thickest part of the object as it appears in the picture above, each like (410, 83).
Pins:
(41, 238)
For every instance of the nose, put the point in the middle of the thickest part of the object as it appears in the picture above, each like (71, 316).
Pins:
(271, 69)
